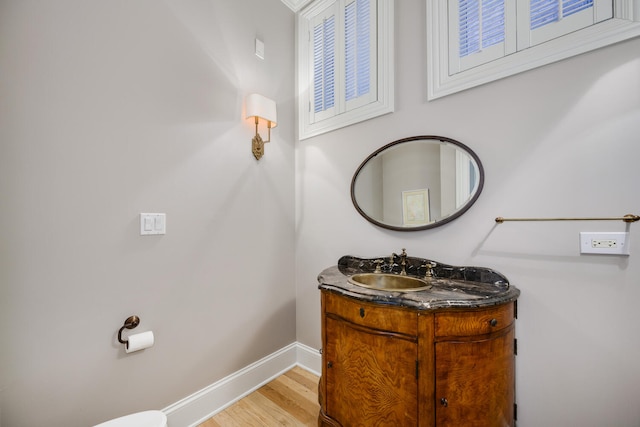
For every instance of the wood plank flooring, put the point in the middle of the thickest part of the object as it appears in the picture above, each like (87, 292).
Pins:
(289, 400)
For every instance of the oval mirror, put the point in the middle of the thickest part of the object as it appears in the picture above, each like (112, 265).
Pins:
(417, 183)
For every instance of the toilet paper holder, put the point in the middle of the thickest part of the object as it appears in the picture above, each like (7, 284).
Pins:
(130, 323)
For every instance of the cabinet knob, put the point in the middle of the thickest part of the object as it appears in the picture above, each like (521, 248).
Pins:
(361, 312)
(444, 402)
(493, 322)
(330, 365)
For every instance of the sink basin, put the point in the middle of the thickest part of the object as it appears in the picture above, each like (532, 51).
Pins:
(389, 282)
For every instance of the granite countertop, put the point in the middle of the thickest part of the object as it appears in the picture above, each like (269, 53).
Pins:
(452, 286)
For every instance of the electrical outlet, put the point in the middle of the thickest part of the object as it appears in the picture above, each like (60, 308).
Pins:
(604, 243)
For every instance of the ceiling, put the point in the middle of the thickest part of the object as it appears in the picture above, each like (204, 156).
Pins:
(296, 5)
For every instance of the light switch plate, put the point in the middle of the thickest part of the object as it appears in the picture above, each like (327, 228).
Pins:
(153, 224)
(604, 243)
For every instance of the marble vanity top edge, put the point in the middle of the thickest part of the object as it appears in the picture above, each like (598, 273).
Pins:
(416, 302)
(350, 264)
(490, 288)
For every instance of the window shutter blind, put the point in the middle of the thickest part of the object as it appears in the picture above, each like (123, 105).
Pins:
(469, 27)
(551, 19)
(493, 22)
(544, 12)
(569, 7)
(323, 65)
(357, 49)
(481, 25)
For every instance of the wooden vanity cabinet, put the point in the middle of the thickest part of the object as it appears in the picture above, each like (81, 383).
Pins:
(391, 366)
(475, 367)
(377, 386)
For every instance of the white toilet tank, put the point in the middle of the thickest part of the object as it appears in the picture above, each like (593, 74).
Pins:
(139, 419)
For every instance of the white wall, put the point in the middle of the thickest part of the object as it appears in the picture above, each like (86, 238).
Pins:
(109, 109)
(561, 140)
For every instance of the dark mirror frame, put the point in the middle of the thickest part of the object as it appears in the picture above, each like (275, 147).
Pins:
(437, 223)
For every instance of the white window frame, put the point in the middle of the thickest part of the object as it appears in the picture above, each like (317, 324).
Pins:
(624, 25)
(345, 114)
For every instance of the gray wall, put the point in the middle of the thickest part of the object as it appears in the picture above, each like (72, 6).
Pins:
(561, 140)
(109, 109)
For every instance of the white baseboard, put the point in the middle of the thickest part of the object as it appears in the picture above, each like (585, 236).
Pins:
(308, 358)
(202, 405)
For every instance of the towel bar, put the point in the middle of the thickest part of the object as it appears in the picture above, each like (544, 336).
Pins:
(627, 218)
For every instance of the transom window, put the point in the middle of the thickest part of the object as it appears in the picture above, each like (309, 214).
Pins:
(472, 42)
(345, 63)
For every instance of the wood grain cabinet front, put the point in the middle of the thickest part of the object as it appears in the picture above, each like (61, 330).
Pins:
(369, 364)
(388, 366)
(475, 368)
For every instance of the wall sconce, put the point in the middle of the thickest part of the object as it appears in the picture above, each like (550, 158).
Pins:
(264, 108)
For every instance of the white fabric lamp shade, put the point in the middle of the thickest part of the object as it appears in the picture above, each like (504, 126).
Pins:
(263, 107)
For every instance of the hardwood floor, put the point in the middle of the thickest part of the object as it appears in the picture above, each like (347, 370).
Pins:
(289, 400)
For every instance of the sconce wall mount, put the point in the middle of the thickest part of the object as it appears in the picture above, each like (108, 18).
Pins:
(261, 107)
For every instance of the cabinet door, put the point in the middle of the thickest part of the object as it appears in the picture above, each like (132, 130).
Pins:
(475, 382)
(371, 375)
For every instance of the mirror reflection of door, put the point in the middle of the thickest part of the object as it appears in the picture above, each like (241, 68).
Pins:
(459, 179)
(466, 181)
